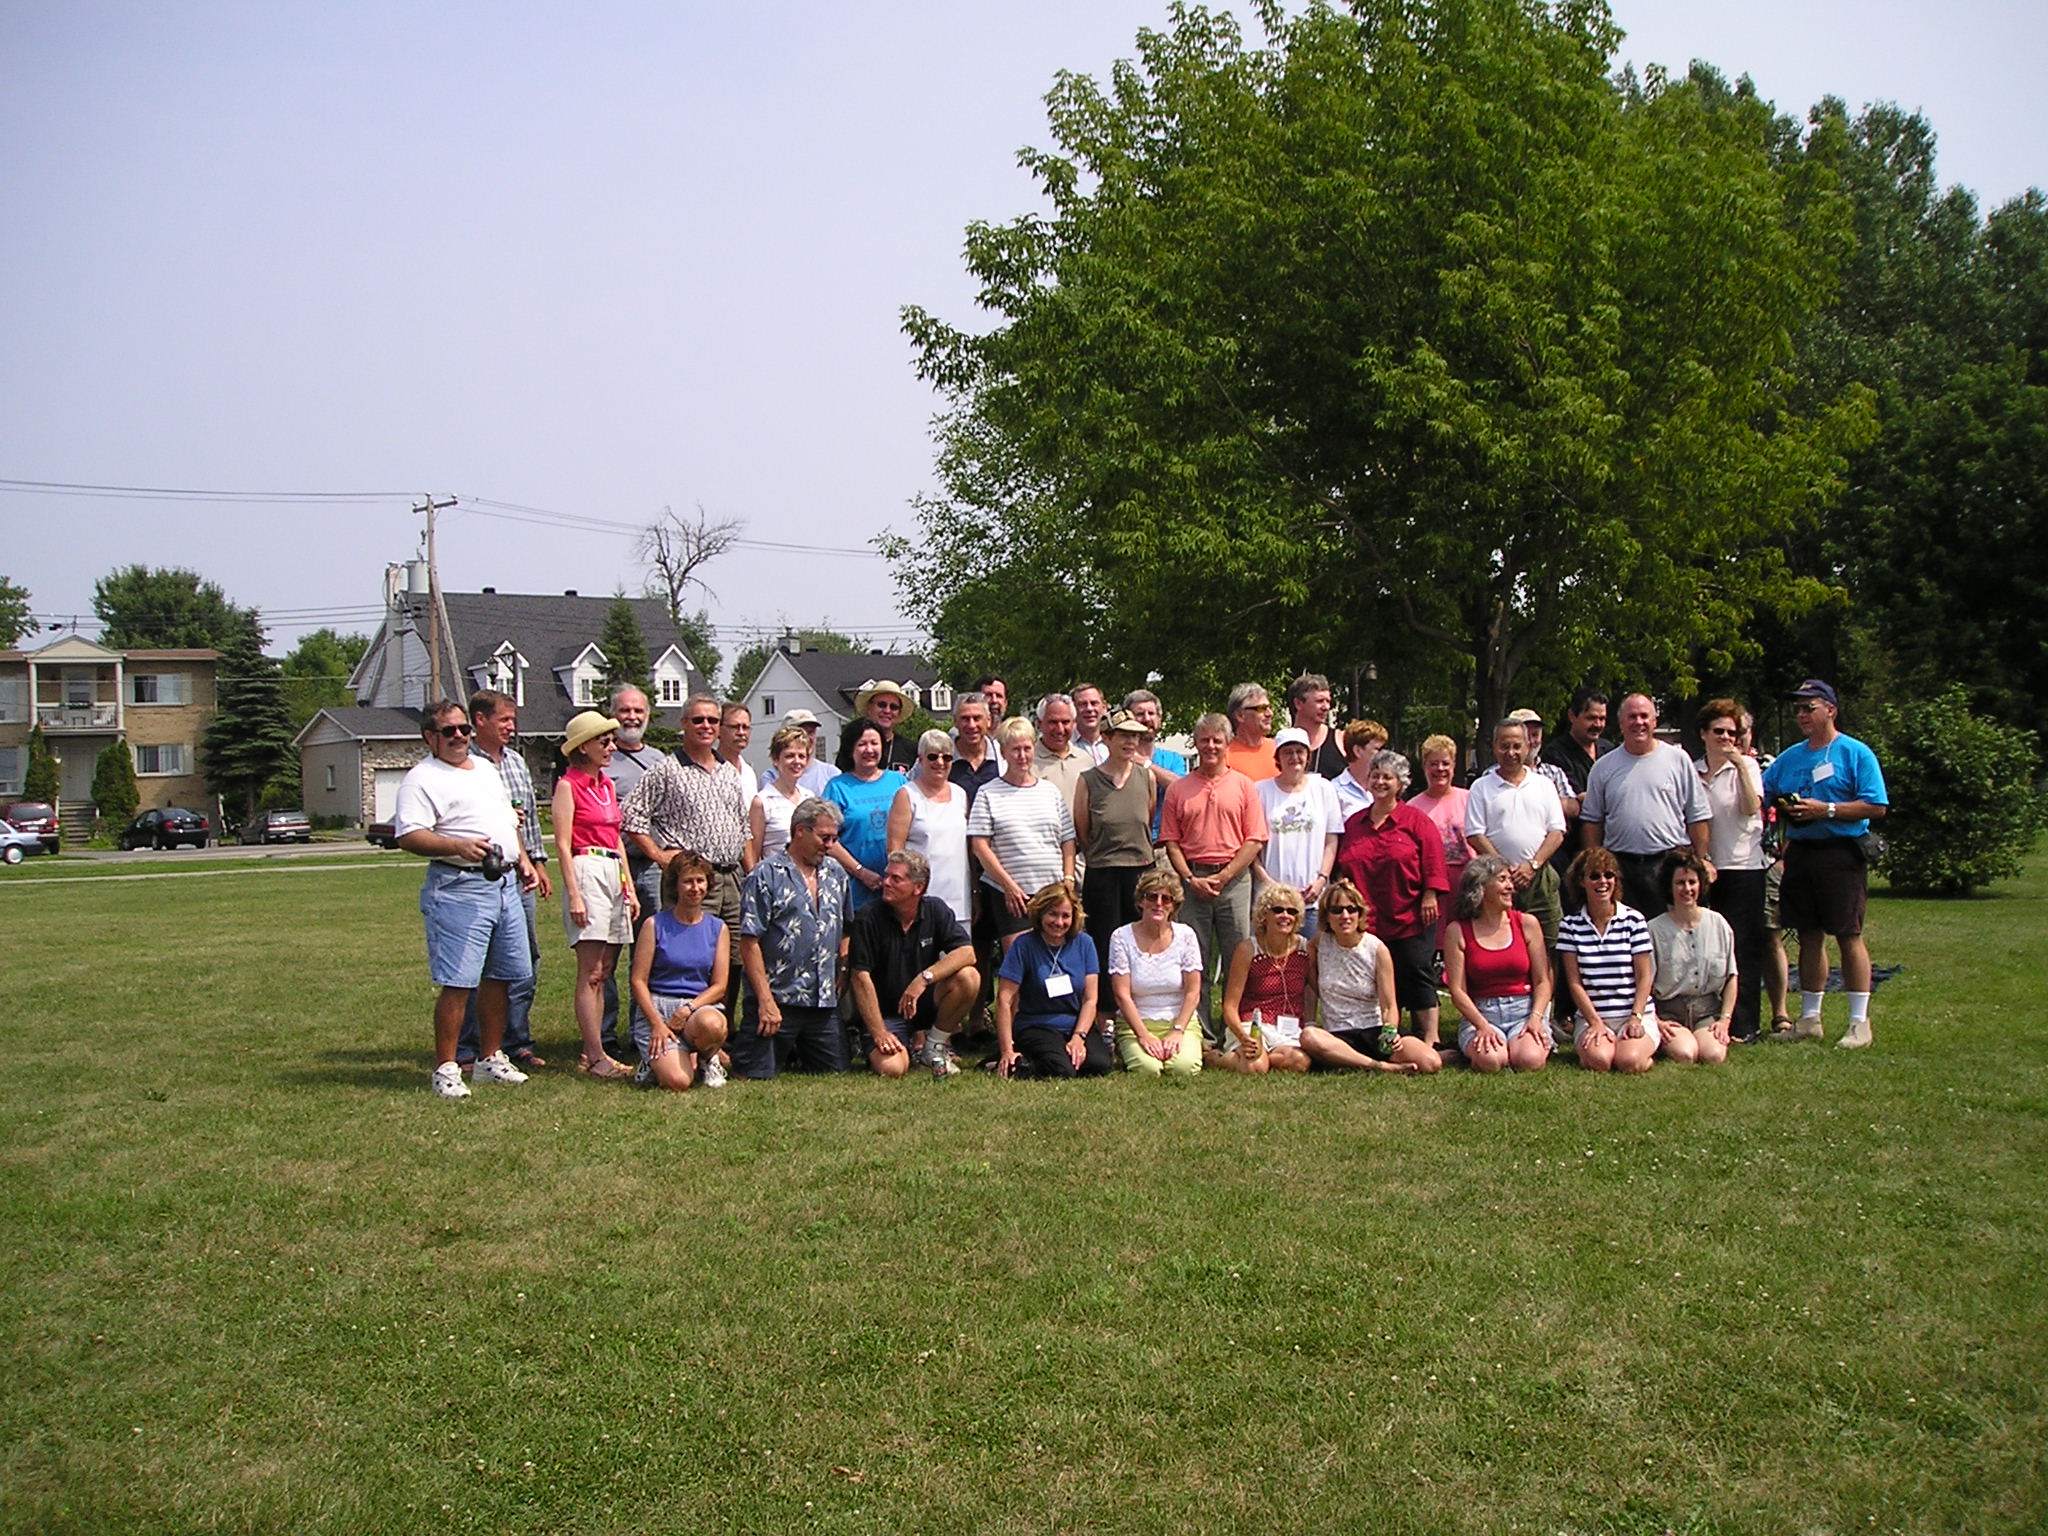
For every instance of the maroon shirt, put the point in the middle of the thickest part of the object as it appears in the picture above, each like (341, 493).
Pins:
(1394, 863)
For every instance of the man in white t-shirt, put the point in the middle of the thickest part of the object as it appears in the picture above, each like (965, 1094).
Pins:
(1513, 813)
(454, 811)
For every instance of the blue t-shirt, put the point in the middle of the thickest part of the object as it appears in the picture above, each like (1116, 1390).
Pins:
(865, 831)
(1845, 769)
(1172, 762)
(1030, 963)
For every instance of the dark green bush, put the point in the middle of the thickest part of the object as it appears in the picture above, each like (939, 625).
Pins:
(114, 793)
(1965, 810)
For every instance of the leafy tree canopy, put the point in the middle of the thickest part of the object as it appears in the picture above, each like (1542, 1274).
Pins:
(1411, 338)
(142, 608)
(15, 620)
(316, 673)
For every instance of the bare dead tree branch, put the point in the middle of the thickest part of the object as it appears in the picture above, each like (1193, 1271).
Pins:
(675, 549)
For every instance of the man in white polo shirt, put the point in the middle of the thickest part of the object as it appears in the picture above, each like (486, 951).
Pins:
(454, 811)
(1513, 813)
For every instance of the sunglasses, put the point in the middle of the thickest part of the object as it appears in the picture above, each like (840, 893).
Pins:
(453, 732)
(1602, 875)
(703, 720)
(1155, 896)
(938, 757)
(1722, 730)
(1345, 911)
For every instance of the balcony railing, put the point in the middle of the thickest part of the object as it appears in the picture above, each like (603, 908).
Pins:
(79, 717)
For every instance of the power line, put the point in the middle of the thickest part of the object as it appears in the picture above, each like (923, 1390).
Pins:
(173, 493)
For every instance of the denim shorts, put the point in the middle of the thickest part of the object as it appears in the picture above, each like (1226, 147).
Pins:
(476, 928)
(1509, 1015)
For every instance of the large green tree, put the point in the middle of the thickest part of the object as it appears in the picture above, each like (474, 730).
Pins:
(140, 607)
(41, 781)
(1411, 339)
(248, 742)
(316, 673)
(15, 619)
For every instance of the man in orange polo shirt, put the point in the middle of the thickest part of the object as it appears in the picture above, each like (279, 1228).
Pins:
(1214, 828)
(1250, 750)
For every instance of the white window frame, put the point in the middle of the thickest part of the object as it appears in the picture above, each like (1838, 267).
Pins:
(182, 756)
(181, 686)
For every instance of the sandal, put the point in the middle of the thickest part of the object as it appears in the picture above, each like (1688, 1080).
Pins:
(604, 1068)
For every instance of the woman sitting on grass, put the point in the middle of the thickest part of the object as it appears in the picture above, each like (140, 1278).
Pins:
(1045, 994)
(1498, 974)
(1360, 1027)
(681, 964)
(1155, 978)
(1605, 952)
(598, 904)
(1266, 993)
(1693, 948)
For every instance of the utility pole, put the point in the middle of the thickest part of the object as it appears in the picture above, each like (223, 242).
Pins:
(436, 618)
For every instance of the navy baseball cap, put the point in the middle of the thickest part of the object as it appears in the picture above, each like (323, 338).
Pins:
(1814, 688)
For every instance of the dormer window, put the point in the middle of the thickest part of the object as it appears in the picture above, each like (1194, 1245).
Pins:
(942, 699)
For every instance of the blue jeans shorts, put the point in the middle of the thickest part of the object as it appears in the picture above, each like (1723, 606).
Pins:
(1509, 1015)
(476, 928)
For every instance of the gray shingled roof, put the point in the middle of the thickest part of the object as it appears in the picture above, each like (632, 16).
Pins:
(840, 675)
(550, 632)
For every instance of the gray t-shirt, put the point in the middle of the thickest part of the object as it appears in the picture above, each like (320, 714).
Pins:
(1644, 804)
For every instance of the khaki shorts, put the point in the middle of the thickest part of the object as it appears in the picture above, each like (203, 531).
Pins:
(604, 898)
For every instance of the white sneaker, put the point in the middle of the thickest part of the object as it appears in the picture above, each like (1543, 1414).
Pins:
(1857, 1037)
(448, 1083)
(495, 1068)
(714, 1074)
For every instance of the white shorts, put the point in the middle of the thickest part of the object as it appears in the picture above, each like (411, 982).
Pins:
(599, 880)
(1287, 1034)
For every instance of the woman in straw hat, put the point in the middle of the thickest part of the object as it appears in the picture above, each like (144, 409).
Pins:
(598, 905)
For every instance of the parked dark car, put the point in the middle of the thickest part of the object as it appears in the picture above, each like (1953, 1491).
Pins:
(35, 816)
(170, 827)
(384, 834)
(278, 827)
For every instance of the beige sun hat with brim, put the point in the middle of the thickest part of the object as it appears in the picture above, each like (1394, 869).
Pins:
(873, 691)
(587, 726)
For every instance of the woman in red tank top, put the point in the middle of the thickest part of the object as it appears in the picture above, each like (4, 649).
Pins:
(1265, 993)
(1498, 972)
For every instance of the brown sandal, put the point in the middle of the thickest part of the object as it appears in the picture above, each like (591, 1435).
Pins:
(604, 1068)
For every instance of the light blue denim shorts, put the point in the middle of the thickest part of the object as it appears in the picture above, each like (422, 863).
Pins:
(476, 928)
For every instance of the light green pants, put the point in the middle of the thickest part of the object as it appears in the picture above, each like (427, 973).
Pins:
(1185, 1062)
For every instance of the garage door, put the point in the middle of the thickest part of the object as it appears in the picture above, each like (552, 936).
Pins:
(388, 780)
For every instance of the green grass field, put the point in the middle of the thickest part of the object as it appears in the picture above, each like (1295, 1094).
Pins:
(258, 1278)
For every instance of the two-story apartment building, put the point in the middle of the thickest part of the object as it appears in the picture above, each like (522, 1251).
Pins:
(87, 697)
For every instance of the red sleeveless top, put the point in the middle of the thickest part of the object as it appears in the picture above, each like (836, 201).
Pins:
(1497, 972)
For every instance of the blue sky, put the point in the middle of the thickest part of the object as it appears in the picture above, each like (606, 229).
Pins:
(598, 261)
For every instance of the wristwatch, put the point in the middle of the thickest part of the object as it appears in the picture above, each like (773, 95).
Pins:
(927, 978)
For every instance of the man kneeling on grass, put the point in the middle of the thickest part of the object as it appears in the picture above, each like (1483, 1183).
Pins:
(455, 812)
(912, 971)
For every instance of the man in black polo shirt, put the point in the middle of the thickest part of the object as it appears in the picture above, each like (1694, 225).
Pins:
(1575, 749)
(975, 758)
(912, 970)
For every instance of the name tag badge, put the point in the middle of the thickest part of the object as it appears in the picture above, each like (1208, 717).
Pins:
(1287, 1024)
(1823, 773)
(1059, 984)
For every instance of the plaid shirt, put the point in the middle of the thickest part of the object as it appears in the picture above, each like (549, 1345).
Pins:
(682, 805)
(1558, 780)
(519, 789)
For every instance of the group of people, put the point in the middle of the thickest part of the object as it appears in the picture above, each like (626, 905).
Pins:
(1065, 890)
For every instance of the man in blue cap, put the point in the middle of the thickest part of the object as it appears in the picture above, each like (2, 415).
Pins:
(1829, 789)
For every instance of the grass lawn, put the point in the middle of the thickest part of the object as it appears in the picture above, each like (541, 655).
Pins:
(258, 1278)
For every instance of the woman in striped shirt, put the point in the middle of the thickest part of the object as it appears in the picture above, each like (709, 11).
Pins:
(1604, 950)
